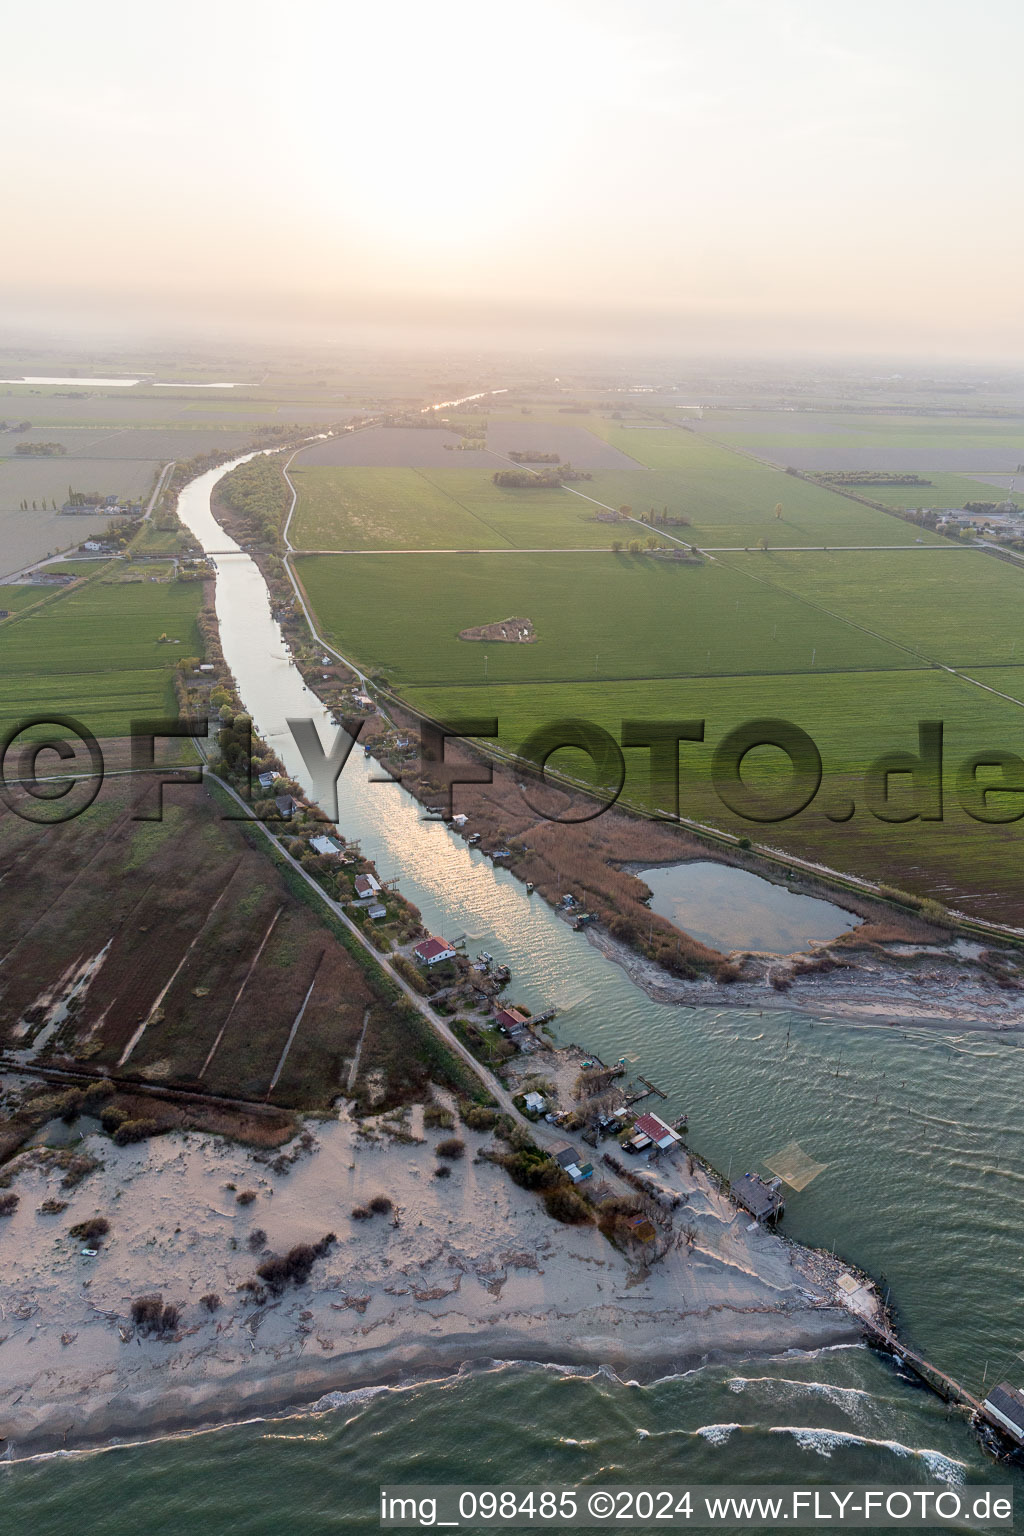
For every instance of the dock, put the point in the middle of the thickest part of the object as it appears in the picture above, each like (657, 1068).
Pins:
(944, 1385)
(634, 1096)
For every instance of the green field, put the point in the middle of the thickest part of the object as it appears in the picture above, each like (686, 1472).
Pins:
(731, 500)
(852, 719)
(596, 616)
(957, 606)
(989, 441)
(945, 491)
(18, 597)
(96, 653)
(364, 508)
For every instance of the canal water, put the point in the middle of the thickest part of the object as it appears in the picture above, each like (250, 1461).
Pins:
(922, 1142)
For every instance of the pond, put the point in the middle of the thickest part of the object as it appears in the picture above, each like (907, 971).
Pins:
(733, 909)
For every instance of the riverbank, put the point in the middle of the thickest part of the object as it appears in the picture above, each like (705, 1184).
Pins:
(464, 1268)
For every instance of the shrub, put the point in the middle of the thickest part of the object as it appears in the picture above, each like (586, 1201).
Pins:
(442, 1171)
(245, 1197)
(437, 1115)
(257, 1239)
(112, 1117)
(134, 1130)
(92, 1231)
(78, 1169)
(564, 1204)
(51, 1207)
(380, 1205)
(151, 1315)
(295, 1267)
(532, 1169)
(360, 1213)
(8, 1202)
(451, 1148)
(95, 1096)
(71, 1105)
(211, 1301)
(479, 1118)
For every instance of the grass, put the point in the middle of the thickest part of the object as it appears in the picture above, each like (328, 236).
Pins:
(381, 509)
(852, 718)
(96, 653)
(945, 491)
(730, 500)
(596, 616)
(364, 508)
(17, 597)
(960, 607)
(991, 442)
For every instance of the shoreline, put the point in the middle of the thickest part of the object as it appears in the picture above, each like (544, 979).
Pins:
(464, 1270)
(288, 1399)
(831, 998)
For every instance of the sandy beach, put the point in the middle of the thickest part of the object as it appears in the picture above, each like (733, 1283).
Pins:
(464, 1268)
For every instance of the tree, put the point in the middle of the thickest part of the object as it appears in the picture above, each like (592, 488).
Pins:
(634, 546)
(651, 542)
(778, 509)
(616, 546)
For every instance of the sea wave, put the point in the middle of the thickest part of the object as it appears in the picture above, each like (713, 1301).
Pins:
(716, 1434)
(945, 1469)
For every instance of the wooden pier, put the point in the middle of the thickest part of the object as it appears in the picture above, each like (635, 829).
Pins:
(949, 1390)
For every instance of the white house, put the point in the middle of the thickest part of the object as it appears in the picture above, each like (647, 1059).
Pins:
(324, 845)
(366, 886)
(432, 951)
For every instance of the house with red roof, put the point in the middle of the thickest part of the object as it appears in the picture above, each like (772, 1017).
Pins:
(661, 1134)
(432, 951)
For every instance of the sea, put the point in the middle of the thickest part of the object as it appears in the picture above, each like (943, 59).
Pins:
(918, 1137)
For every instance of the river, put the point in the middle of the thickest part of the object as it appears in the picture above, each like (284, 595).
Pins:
(919, 1133)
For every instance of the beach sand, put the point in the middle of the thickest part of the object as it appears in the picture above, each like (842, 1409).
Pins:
(467, 1268)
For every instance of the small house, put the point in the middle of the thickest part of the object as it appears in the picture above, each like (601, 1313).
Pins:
(366, 886)
(432, 951)
(641, 1228)
(459, 820)
(761, 1197)
(511, 1020)
(377, 911)
(286, 806)
(534, 1102)
(1004, 1407)
(662, 1135)
(324, 845)
(267, 780)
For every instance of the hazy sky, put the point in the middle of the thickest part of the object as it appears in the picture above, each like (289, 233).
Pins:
(794, 174)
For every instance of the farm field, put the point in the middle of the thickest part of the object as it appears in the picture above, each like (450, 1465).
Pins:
(574, 444)
(958, 606)
(831, 440)
(853, 718)
(373, 508)
(730, 500)
(151, 443)
(395, 448)
(27, 536)
(946, 491)
(197, 892)
(96, 653)
(15, 598)
(362, 508)
(596, 616)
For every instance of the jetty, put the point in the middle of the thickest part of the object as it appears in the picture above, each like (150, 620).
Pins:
(940, 1382)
